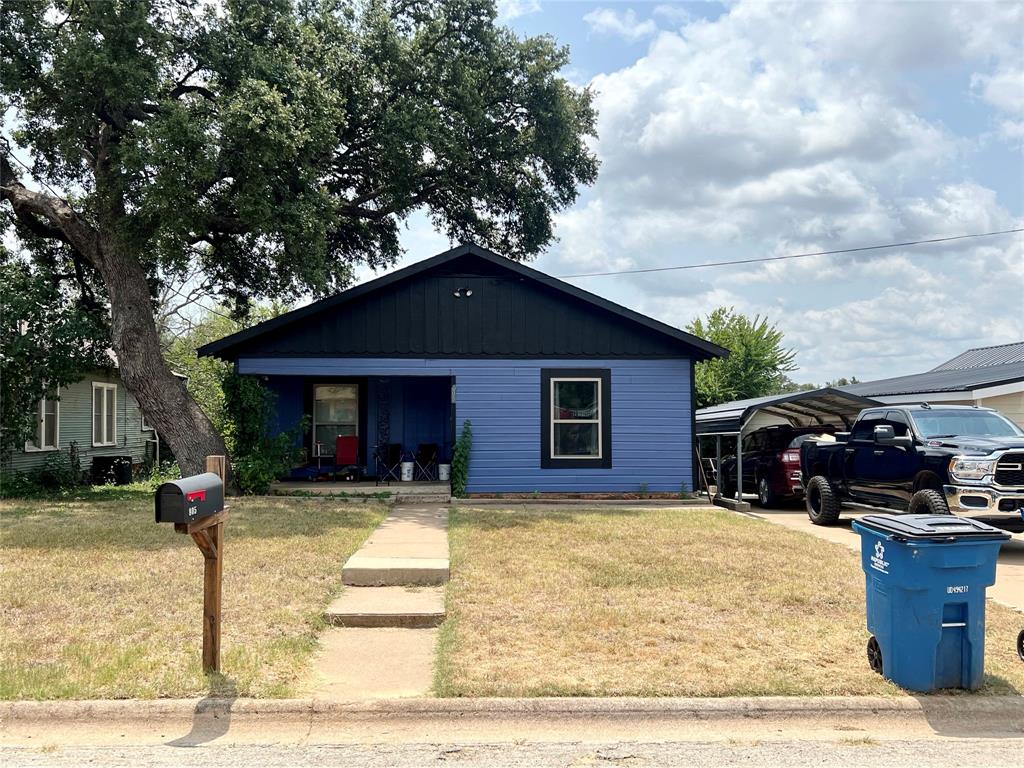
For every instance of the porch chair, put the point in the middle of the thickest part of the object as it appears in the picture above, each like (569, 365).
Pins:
(387, 459)
(346, 458)
(426, 462)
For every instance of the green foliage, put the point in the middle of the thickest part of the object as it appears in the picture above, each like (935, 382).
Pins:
(48, 341)
(279, 143)
(460, 460)
(259, 457)
(757, 364)
(205, 375)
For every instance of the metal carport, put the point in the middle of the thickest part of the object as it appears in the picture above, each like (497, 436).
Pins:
(827, 406)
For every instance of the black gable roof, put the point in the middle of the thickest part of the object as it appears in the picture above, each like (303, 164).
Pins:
(506, 310)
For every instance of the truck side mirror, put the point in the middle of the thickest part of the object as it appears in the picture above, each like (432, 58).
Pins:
(885, 435)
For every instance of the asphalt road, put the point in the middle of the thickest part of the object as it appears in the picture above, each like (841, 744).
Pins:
(927, 753)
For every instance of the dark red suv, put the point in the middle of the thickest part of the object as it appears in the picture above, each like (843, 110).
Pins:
(771, 464)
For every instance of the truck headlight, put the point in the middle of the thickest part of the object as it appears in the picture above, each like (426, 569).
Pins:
(964, 468)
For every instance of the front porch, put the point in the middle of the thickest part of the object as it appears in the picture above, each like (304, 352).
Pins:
(386, 419)
(419, 492)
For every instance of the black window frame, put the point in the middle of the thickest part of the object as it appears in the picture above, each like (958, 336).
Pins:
(604, 375)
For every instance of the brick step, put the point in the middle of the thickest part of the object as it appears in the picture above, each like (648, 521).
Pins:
(408, 607)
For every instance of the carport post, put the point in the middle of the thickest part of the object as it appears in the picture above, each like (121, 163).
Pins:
(718, 465)
(739, 464)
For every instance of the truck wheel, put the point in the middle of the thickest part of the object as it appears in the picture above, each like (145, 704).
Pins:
(822, 503)
(928, 502)
(765, 495)
(874, 655)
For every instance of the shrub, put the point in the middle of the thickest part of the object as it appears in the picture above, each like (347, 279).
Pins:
(258, 457)
(460, 460)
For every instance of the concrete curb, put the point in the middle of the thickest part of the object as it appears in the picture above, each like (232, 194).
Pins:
(1009, 709)
(595, 503)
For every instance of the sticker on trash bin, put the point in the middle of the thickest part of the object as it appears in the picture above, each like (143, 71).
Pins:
(878, 561)
(959, 589)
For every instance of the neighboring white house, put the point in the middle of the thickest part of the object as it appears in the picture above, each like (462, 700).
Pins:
(97, 415)
(989, 376)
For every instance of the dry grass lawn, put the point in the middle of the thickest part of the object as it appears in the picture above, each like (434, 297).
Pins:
(98, 601)
(658, 602)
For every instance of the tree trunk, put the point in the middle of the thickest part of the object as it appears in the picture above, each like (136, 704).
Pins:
(164, 399)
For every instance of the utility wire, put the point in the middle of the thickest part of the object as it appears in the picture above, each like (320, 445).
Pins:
(791, 256)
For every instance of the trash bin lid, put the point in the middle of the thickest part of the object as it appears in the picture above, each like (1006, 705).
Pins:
(932, 527)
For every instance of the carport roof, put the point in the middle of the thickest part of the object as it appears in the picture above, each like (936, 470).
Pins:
(817, 406)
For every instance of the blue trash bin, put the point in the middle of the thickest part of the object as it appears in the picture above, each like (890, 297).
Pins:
(925, 578)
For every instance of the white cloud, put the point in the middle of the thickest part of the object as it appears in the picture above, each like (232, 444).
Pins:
(623, 24)
(508, 10)
(788, 128)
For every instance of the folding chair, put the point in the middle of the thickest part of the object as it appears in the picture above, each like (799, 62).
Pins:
(388, 462)
(426, 462)
(346, 458)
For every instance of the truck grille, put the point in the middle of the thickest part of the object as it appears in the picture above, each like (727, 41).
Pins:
(1010, 469)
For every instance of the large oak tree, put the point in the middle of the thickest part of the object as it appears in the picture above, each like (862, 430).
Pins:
(278, 144)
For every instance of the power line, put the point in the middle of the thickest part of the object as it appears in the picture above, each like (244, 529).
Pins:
(791, 256)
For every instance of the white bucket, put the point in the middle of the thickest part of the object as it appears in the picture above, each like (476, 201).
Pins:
(407, 471)
(444, 472)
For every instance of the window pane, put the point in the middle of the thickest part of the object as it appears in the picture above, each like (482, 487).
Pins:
(326, 435)
(49, 428)
(97, 415)
(336, 405)
(575, 400)
(576, 440)
(108, 437)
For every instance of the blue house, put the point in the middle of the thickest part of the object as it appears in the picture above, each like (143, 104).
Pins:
(566, 391)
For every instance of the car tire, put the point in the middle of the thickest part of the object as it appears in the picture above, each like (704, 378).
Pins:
(928, 502)
(766, 497)
(822, 502)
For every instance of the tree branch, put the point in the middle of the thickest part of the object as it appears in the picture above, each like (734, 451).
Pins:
(48, 214)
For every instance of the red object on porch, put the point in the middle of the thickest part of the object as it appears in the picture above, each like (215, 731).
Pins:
(346, 451)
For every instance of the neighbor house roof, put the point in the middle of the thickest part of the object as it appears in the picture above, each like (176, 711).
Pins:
(942, 380)
(243, 342)
(983, 357)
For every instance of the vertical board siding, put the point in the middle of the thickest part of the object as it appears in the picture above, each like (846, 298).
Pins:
(75, 425)
(651, 418)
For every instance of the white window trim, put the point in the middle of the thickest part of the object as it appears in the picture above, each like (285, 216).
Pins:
(103, 386)
(555, 420)
(40, 416)
(145, 427)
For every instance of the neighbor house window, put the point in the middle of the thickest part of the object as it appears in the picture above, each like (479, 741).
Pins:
(576, 418)
(104, 413)
(47, 433)
(335, 412)
(146, 427)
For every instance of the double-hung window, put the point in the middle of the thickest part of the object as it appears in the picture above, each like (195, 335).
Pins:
(104, 413)
(47, 433)
(576, 418)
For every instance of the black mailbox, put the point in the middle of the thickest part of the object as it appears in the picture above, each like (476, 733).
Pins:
(189, 499)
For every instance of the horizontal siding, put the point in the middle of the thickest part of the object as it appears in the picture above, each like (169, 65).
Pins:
(75, 425)
(1011, 406)
(651, 418)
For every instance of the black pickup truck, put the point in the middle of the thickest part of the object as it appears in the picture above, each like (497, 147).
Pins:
(918, 459)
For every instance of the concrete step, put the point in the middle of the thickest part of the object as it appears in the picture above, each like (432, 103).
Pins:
(408, 607)
(363, 571)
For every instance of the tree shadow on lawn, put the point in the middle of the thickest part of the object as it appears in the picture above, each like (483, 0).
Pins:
(133, 528)
(487, 519)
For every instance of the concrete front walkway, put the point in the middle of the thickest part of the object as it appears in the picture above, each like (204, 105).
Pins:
(1009, 586)
(383, 638)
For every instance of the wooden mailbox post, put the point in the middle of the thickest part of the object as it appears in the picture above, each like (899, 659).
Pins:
(207, 531)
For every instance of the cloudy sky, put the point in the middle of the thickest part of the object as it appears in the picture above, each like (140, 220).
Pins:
(746, 129)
